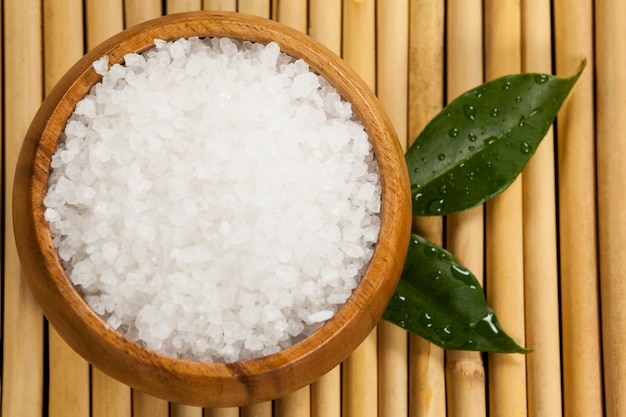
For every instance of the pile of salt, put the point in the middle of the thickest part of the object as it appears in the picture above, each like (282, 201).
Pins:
(213, 199)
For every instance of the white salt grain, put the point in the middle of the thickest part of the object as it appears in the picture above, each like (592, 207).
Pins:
(214, 199)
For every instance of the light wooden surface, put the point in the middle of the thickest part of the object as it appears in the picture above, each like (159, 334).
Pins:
(566, 265)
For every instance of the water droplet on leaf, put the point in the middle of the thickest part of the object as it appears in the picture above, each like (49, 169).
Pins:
(471, 137)
(426, 320)
(522, 121)
(435, 275)
(525, 147)
(430, 251)
(494, 112)
(541, 78)
(445, 333)
(453, 133)
(436, 206)
(470, 111)
(441, 156)
(459, 272)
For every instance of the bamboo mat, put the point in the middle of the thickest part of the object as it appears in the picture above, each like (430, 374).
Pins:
(551, 250)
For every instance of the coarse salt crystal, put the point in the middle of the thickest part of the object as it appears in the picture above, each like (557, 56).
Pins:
(214, 199)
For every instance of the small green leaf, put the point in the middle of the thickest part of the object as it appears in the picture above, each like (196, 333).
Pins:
(440, 300)
(479, 143)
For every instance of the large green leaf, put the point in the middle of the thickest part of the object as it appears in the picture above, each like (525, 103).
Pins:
(440, 300)
(481, 141)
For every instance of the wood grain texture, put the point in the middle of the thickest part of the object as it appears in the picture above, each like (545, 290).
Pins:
(190, 382)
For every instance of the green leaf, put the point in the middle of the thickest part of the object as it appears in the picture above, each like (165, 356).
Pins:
(441, 301)
(479, 143)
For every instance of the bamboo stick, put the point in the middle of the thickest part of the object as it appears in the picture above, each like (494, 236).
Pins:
(359, 38)
(68, 384)
(292, 13)
(103, 20)
(392, 60)
(326, 395)
(137, 11)
(182, 410)
(145, 405)
(225, 5)
(543, 366)
(179, 6)
(221, 412)
(325, 23)
(611, 125)
(465, 372)
(109, 397)
(22, 393)
(359, 377)
(582, 365)
(360, 374)
(505, 262)
(297, 403)
(427, 395)
(257, 410)
(392, 84)
(254, 7)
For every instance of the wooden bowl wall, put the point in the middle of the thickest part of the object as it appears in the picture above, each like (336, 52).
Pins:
(183, 381)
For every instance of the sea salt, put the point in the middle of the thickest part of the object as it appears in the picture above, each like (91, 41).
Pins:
(214, 199)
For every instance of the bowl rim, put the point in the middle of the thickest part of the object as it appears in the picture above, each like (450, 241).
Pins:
(219, 384)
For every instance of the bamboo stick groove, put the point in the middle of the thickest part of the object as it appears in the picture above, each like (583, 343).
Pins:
(551, 248)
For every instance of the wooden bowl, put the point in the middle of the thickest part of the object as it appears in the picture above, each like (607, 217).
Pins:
(183, 381)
